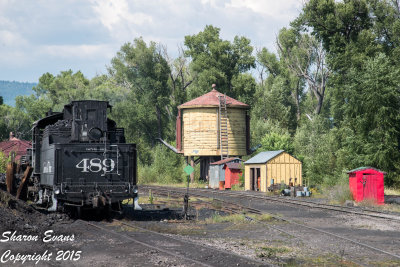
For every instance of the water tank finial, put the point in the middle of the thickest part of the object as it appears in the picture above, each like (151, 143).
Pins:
(214, 86)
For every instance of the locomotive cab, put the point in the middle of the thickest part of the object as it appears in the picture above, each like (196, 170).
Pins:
(80, 158)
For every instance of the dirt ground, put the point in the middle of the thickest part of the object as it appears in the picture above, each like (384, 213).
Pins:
(211, 237)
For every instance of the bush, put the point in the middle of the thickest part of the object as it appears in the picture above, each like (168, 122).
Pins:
(338, 193)
(167, 167)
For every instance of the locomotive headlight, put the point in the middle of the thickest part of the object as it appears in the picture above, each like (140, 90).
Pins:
(57, 191)
(135, 189)
(95, 133)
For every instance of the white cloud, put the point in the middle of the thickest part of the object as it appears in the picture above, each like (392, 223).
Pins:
(118, 17)
(287, 9)
(78, 52)
(11, 39)
(48, 35)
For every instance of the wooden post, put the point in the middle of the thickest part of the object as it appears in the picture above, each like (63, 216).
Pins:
(192, 164)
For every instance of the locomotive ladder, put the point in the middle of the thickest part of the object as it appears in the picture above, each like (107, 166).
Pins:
(223, 127)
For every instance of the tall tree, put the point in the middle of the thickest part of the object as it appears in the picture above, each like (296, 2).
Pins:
(142, 69)
(219, 61)
(362, 45)
(305, 57)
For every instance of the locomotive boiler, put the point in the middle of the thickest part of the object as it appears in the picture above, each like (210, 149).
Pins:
(80, 159)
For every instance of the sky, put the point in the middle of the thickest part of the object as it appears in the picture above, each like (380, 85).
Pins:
(39, 36)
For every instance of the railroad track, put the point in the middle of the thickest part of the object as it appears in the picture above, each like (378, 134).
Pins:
(206, 194)
(194, 254)
(291, 201)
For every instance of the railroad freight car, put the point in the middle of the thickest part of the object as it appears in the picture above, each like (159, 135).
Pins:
(80, 159)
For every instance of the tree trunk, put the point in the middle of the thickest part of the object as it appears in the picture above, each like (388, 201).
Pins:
(297, 101)
(159, 124)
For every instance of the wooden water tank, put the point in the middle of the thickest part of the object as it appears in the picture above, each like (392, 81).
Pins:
(198, 126)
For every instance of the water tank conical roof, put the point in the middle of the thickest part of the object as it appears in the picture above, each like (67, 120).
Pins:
(211, 100)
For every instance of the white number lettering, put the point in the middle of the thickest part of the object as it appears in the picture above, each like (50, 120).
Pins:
(108, 167)
(83, 164)
(96, 165)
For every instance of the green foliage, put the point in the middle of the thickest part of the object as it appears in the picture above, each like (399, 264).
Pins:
(276, 141)
(166, 167)
(221, 62)
(144, 73)
(329, 95)
(3, 162)
(314, 145)
(14, 120)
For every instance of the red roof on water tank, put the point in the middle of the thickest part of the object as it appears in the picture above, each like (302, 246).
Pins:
(211, 99)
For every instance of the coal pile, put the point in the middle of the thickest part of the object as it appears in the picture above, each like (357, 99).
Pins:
(17, 215)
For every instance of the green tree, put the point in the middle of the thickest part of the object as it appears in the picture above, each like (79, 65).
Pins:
(221, 62)
(276, 141)
(361, 41)
(143, 71)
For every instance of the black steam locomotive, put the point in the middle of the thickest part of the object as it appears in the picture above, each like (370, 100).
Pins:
(80, 159)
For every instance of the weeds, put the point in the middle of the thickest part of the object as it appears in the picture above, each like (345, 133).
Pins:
(151, 198)
(233, 218)
(338, 194)
(271, 252)
(392, 191)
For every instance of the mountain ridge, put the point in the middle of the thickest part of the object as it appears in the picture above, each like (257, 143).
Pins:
(10, 89)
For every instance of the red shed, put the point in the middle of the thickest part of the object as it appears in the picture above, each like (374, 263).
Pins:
(367, 183)
(232, 172)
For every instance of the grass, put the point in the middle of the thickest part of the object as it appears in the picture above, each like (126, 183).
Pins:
(392, 191)
(337, 194)
(238, 218)
(271, 252)
(237, 187)
(196, 184)
(233, 218)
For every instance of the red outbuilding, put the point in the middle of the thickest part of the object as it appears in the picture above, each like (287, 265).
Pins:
(232, 172)
(367, 183)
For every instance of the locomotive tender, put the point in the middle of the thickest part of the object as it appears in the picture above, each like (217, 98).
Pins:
(80, 159)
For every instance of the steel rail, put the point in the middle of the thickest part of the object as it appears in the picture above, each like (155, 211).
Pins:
(199, 263)
(185, 241)
(369, 213)
(364, 212)
(305, 226)
(165, 191)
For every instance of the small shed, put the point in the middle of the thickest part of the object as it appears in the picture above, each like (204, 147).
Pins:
(217, 171)
(272, 167)
(367, 183)
(232, 172)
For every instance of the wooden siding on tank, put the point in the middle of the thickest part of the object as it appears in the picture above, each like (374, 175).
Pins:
(200, 132)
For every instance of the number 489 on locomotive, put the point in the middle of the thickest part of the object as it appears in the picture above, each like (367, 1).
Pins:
(80, 158)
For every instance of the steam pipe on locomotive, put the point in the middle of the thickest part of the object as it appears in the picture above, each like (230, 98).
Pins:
(80, 158)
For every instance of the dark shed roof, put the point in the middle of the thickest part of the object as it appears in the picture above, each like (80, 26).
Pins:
(233, 166)
(224, 161)
(365, 168)
(263, 157)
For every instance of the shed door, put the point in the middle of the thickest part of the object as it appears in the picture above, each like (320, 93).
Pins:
(370, 186)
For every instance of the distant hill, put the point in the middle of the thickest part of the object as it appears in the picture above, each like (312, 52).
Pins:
(9, 90)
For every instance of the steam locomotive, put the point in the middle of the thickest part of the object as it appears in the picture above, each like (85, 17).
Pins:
(80, 159)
